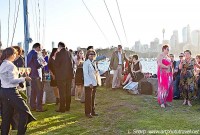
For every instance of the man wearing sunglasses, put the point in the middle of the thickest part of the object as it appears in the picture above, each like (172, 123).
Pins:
(176, 76)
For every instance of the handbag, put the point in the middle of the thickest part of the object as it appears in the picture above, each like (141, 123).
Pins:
(98, 78)
(138, 76)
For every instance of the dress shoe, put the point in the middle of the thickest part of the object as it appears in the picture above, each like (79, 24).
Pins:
(61, 111)
(42, 110)
(67, 109)
(162, 105)
(185, 103)
(57, 101)
(95, 114)
(33, 109)
(189, 104)
(88, 115)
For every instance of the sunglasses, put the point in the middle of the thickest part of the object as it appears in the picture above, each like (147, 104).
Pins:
(92, 54)
(180, 56)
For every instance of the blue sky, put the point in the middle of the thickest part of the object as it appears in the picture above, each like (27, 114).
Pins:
(70, 22)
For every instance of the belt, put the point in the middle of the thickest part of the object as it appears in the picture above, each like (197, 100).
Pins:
(119, 64)
(10, 88)
(13, 88)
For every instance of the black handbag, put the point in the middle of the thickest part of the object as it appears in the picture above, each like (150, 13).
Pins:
(138, 76)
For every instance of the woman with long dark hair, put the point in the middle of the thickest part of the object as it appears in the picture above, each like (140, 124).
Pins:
(19, 60)
(11, 99)
(79, 75)
(51, 67)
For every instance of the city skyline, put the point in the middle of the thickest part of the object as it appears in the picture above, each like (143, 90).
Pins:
(71, 23)
(190, 40)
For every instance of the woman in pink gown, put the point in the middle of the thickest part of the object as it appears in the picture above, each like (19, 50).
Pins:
(165, 77)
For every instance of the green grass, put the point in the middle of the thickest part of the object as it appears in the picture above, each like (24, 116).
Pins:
(119, 113)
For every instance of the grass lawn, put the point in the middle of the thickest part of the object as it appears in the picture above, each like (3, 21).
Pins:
(119, 113)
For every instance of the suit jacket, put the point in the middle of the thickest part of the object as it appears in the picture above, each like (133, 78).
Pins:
(91, 74)
(33, 63)
(115, 60)
(64, 65)
(174, 64)
(177, 66)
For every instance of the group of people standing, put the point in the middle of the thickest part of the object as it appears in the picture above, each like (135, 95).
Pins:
(68, 70)
(64, 67)
(177, 78)
(61, 66)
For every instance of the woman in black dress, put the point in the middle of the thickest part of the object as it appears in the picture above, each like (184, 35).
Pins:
(79, 89)
(136, 69)
(19, 60)
(51, 67)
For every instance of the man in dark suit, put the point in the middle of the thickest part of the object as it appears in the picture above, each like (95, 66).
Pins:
(36, 83)
(172, 60)
(64, 75)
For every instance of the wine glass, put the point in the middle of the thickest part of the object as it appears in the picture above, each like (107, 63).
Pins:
(21, 71)
(27, 71)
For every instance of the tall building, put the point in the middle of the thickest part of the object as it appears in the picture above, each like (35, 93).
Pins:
(145, 48)
(20, 44)
(174, 41)
(186, 34)
(53, 45)
(154, 45)
(195, 38)
(137, 46)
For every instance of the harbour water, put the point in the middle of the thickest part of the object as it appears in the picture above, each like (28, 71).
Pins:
(148, 66)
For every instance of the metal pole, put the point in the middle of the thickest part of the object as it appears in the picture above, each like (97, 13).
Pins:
(0, 30)
(26, 30)
(198, 39)
(0, 35)
(163, 34)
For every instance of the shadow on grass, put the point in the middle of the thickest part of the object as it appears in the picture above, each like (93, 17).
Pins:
(54, 121)
(118, 112)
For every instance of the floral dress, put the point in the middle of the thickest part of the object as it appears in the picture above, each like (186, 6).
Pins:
(187, 79)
